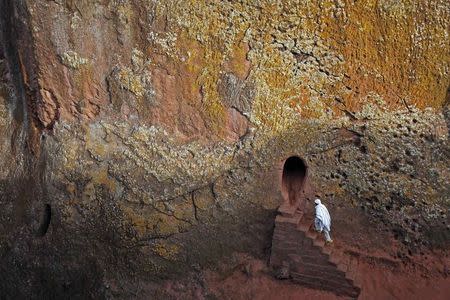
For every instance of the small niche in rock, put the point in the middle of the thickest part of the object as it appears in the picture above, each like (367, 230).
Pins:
(357, 141)
(363, 149)
(46, 218)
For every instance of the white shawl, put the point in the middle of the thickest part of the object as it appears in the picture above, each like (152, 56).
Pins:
(323, 219)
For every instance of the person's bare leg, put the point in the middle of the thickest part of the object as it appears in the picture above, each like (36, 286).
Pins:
(327, 236)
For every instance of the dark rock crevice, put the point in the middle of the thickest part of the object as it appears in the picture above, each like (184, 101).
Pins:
(16, 46)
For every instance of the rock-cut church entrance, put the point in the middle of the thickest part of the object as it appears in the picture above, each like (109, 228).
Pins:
(293, 179)
(298, 252)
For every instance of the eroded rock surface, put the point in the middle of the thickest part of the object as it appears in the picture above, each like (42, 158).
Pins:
(143, 139)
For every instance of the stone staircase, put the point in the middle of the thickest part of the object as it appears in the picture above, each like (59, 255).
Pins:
(302, 254)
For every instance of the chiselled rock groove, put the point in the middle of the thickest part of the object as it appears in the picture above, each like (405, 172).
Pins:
(297, 247)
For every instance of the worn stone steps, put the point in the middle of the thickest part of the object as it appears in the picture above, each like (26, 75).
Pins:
(335, 275)
(331, 280)
(294, 220)
(287, 210)
(352, 273)
(313, 260)
(312, 263)
(322, 283)
(337, 258)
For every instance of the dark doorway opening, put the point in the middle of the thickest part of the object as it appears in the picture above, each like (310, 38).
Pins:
(46, 218)
(294, 174)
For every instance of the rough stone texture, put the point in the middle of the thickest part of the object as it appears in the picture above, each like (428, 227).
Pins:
(143, 139)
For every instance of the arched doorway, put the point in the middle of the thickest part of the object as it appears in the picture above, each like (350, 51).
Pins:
(293, 178)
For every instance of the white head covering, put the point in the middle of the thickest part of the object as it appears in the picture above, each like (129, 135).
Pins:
(323, 219)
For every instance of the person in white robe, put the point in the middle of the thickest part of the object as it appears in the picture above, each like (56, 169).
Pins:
(322, 221)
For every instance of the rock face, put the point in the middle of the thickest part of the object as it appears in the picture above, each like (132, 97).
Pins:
(144, 139)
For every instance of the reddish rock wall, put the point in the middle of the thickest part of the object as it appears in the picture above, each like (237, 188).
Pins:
(132, 132)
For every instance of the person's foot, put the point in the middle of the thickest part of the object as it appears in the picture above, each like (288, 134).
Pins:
(329, 242)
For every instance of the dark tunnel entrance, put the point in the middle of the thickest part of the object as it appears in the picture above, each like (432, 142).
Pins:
(294, 174)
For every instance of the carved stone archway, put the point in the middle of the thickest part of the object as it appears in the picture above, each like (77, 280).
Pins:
(293, 180)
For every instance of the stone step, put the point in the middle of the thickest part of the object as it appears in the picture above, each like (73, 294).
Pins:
(292, 234)
(338, 257)
(340, 288)
(308, 218)
(323, 266)
(276, 260)
(307, 260)
(354, 279)
(352, 292)
(312, 235)
(280, 235)
(312, 251)
(343, 264)
(295, 219)
(328, 249)
(290, 221)
(286, 232)
(282, 253)
(353, 274)
(305, 225)
(285, 224)
(288, 211)
(290, 245)
(337, 278)
(343, 267)
(319, 243)
(315, 263)
(320, 268)
(310, 283)
(284, 228)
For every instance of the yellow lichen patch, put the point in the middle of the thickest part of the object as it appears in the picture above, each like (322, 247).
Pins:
(125, 13)
(3, 113)
(73, 60)
(166, 250)
(139, 223)
(101, 177)
(87, 96)
(197, 67)
(203, 200)
(207, 80)
(361, 41)
(167, 225)
(184, 210)
(145, 223)
(237, 63)
(130, 81)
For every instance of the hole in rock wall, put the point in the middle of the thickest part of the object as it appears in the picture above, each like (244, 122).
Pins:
(294, 174)
(46, 218)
